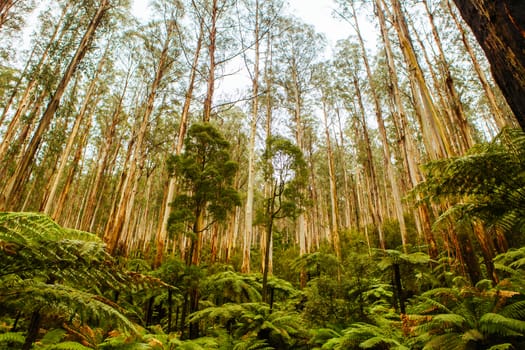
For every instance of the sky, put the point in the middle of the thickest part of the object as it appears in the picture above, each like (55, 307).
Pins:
(318, 13)
(315, 12)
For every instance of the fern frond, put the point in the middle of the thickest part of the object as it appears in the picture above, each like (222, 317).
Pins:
(506, 346)
(69, 302)
(252, 344)
(492, 323)
(514, 310)
(67, 345)
(447, 341)
(12, 337)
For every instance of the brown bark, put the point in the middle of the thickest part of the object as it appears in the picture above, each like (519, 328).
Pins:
(120, 221)
(499, 27)
(50, 198)
(434, 133)
(24, 167)
(498, 115)
(162, 231)
(212, 64)
(5, 8)
(104, 154)
(387, 154)
(406, 141)
(370, 171)
(75, 165)
(454, 101)
(334, 210)
(24, 101)
(349, 197)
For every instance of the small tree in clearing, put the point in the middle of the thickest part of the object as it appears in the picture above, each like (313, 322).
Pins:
(285, 173)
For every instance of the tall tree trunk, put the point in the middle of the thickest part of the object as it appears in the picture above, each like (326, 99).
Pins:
(248, 217)
(266, 249)
(499, 27)
(444, 113)
(396, 196)
(24, 167)
(348, 192)
(498, 115)
(430, 123)
(334, 212)
(406, 140)
(59, 207)
(211, 69)
(50, 198)
(270, 212)
(454, 101)
(162, 232)
(104, 155)
(375, 199)
(119, 222)
(24, 101)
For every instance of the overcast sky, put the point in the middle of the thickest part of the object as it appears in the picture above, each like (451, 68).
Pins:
(316, 12)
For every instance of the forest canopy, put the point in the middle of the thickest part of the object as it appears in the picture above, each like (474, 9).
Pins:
(368, 194)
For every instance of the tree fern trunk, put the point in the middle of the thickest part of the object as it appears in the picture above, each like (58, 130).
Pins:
(32, 332)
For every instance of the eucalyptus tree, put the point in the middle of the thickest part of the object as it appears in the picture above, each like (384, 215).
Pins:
(500, 117)
(435, 138)
(206, 173)
(215, 17)
(24, 73)
(15, 183)
(453, 98)
(12, 14)
(162, 230)
(107, 135)
(259, 17)
(295, 50)
(35, 75)
(350, 91)
(387, 152)
(160, 43)
(325, 82)
(405, 133)
(498, 27)
(49, 199)
(286, 171)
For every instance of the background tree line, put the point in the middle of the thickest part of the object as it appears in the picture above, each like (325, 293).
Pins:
(119, 127)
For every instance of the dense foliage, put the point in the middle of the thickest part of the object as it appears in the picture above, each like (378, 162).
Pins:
(370, 197)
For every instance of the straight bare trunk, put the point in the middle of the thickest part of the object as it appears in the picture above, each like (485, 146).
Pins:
(162, 231)
(24, 167)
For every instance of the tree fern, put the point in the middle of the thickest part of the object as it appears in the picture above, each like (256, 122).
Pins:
(255, 321)
(229, 286)
(488, 183)
(59, 273)
(454, 318)
(367, 336)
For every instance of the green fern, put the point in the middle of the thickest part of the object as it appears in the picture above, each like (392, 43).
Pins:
(12, 337)
(453, 318)
(67, 345)
(252, 344)
(229, 286)
(486, 184)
